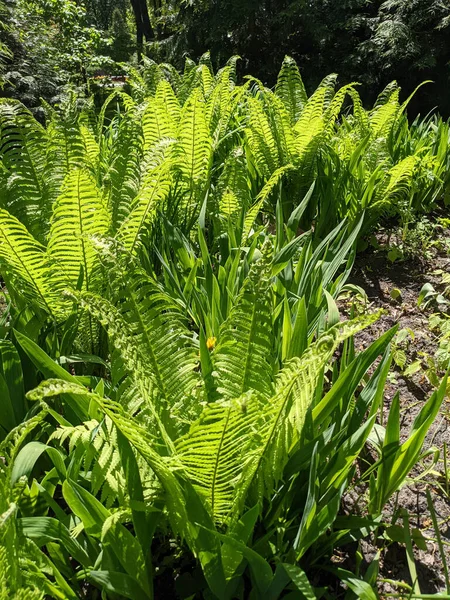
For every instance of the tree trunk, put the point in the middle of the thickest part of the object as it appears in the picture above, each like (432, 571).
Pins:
(143, 25)
(147, 26)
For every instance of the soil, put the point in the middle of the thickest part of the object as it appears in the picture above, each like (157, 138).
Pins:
(378, 277)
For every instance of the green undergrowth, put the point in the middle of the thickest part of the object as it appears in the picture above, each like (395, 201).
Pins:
(182, 405)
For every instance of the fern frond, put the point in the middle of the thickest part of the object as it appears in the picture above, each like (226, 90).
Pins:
(194, 149)
(284, 413)
(290, 88)
(335, 106)
(23, 145)
(78, 216)
(67, 149)
(154, 191)
(397, 182)
(281, 125)
(101, 457)
(26, 266)
(261, 139)
(233, 189)
(164, 467)
(161, 116)
(189, 80)
(359, 112)
(242, 359)
(123, 177)
(11, 445)
(214, 449)
(328, 84)
(206, 79)
(155, 345)
(382, 118)
(263, 195)
(220, 104)
(311, 122)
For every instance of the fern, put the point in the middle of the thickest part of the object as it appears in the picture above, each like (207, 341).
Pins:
(383, 116)
(123, 177)
(290, 88)
(214, 451)
(232, 193)
(23, 153)
(261, 139)
(149, 330)
(26, 266)
(397, 182)
(262, 197)
(154, 191)
(242, 359)
(194, 149)
(101, 457)
(67, 147)
(164, 467)
(78, 216)
(161, 116)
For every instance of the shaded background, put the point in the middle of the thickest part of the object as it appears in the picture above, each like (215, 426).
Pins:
(56, 43)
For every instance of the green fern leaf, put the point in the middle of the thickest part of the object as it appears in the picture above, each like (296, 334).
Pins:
(148, 328)
(154, 191)
(290, 88)
(242, 358)
(161, 116)
(123, 177)
(23, 144)
(194, 149)
(262, 139)
(213, 451)
(26, 266)
(79, 216)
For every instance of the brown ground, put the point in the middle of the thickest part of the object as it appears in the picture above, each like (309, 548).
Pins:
(377, 276)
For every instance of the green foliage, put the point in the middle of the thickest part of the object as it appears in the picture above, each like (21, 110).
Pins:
(52, 46)
(371, 42)
(177, 383)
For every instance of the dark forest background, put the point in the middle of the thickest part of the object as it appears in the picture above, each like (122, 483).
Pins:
(51, 46)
